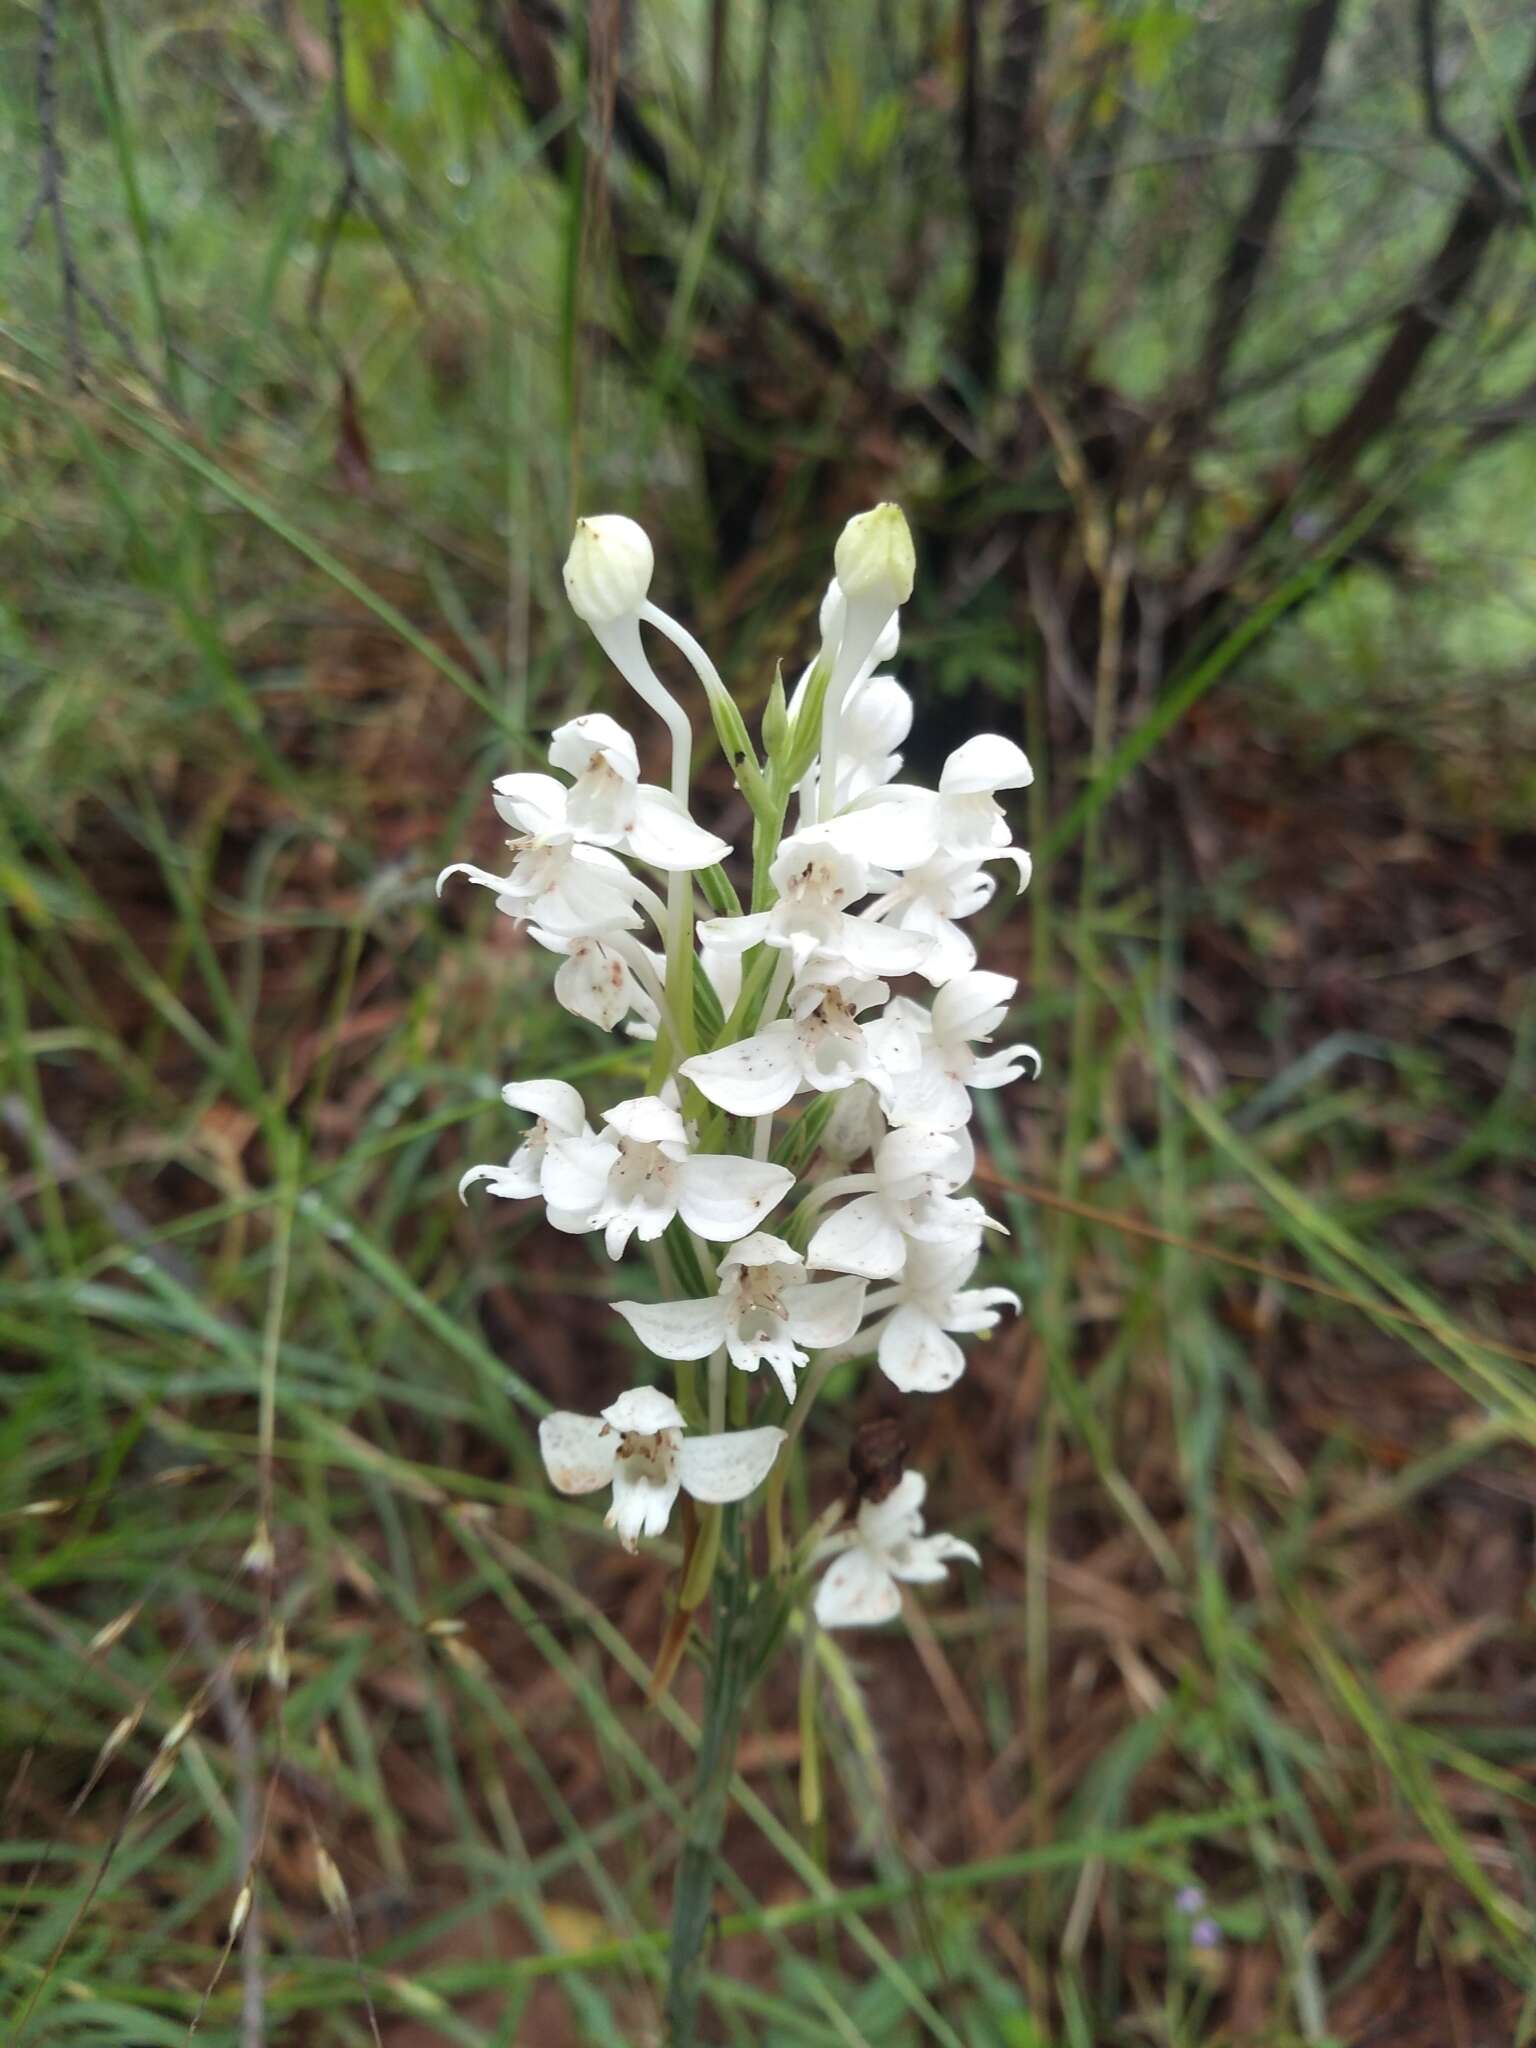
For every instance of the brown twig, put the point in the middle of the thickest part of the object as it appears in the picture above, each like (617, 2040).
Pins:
(1499, 187)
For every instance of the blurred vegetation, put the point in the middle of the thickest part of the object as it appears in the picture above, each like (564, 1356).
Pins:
(1197, 343)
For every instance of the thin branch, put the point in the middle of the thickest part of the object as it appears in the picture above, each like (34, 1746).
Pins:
(995, 125)
(50, 187)
(352, 194)
(1499, 188)
(1442, 284)
(1251, 239)
(762, 117)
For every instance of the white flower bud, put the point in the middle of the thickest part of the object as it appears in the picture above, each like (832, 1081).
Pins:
(608, 570)
(875, 559)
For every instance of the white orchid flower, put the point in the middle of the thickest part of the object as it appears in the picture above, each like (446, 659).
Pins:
(595, 981)
(934, 1088)
(910, 1194)
(885, 1545)
(903, 826)
(819, 1045)
(817, 882)
(607, 804)
(927, 900)
(637, 1446)
(634, 1176)
(567, 888)
(559, 1115)
(765, 1310)
(930, 1300)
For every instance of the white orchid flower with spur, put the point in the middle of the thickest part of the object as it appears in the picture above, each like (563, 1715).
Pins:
(767, 1308)
(884, 1548)
(638, 1445)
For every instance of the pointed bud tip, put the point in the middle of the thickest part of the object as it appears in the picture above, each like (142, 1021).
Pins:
(608, 570)
(875, 558)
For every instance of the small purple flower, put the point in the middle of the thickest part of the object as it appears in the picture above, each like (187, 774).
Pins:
(1190, 1900)
(1205, 1933)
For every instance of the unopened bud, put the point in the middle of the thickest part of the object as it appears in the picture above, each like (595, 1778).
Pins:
(152, 1782)
(277, 1658)
(178, 1731)
(259, 1556)
(113, 1631)
(333, 1888)
(608, 570)
(120, 1735)
(240, 1912)
(465, 1656)
(875, 558)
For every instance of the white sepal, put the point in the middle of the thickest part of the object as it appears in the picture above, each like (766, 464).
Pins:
(677, 1329)
(579, 1451)
(725, 1468)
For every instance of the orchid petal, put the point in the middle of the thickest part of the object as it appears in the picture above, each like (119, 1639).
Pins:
(972, 1006)
(482, 877)
(510, 1182)
(923, 1561)
(647, 1120)
(856, 1591)
(825, 1312)
(985, 763)
(576, 1173)
(734, 934)
(998, 1069)
(641, 1411)
(572, 745)
(663, 834)
(916, 1355)
(762, 1248)
(677, 1329)
(533, 803)
(556, 1103)
(579, 1451)
(642, 1499)
(892, 828)
(882, 949)
(860, 1238)
(724, 1197)
(727, 1467)
(753, 1076)
(883, 1523)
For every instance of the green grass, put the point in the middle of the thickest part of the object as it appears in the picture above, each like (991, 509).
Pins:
(1233, 1527)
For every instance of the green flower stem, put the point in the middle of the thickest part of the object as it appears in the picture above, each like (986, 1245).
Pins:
(767, 831)
(794, 1422)
(679, 976)
(724, 1702)
(719, 1366)
(701, 1566)
(639, 964)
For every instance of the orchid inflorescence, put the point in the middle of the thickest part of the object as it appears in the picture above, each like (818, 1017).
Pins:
(745, 1012)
